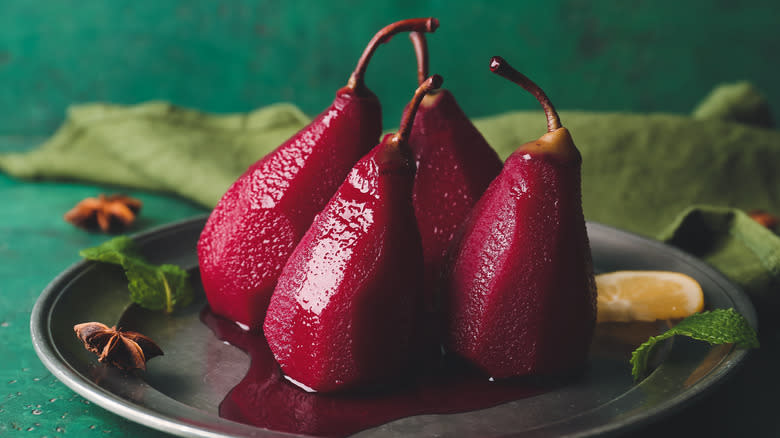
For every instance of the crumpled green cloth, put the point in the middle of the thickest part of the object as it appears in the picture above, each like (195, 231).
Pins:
(157, 146)
(640, 172)
(730, 240)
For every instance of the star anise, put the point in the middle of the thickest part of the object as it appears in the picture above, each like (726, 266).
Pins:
(109, 213)
(766, 219)
(123, 349)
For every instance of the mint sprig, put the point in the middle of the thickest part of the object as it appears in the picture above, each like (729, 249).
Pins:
(719, 326)
(155, 287)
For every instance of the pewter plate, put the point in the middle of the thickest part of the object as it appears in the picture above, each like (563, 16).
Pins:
(180, 392)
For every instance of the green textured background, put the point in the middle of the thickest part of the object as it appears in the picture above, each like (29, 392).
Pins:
(227, 56)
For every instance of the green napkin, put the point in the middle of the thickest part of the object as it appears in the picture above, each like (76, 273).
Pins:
(729, 239)
(740, 102)
(157, 146)
(640, 171)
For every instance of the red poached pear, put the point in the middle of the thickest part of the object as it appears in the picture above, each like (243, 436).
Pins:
(520, 294)
(345, 309)
(455, 164)
(262, 216)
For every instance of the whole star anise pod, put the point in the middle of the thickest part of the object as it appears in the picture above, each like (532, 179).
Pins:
(109, 213)
(123, 349)
(764, 218)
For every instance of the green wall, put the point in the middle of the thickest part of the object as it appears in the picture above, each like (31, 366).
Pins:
(227, 56)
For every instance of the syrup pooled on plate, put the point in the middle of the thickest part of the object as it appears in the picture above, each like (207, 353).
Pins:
(264, 398)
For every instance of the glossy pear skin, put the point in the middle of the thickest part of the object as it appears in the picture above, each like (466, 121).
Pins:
(343, 312)
(262, 216)
(520, 294)
(454, 167)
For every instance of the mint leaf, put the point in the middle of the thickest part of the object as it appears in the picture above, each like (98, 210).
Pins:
(178, 289)
(114, 251)
(163, 287)
(719, 326)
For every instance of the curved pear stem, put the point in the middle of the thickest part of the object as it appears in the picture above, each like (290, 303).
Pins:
(356, 82)
(502, 68)
(421, 50)
(405, 129)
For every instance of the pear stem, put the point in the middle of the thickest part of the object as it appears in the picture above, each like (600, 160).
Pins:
(421, 50)
(405, 129)
(502, 68)
(356, 82)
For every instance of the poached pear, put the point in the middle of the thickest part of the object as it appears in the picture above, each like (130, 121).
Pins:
(519, 291)
(345, 309)
(262, 216)
(455, 164)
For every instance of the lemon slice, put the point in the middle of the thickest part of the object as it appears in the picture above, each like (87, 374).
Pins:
(647, 296)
